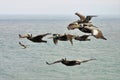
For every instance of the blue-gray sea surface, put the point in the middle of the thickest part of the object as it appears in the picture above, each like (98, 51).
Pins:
(30, 63)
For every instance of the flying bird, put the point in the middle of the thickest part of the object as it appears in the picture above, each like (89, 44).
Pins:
(93, 30)
(37, 39)
(60, 37)
(84, 19)
(70, 62)
(87, 28)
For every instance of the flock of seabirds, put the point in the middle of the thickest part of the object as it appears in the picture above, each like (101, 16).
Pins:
(83, 24)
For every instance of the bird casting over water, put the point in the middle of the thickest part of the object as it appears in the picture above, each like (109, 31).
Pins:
(70, 62)
(37, 39)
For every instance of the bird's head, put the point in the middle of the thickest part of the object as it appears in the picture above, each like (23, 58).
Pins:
(29, 35)
(73, 25)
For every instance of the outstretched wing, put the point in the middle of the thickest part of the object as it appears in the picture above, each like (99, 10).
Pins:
(55, 41)
(38, 37)
(87, 60)
(41, 36)
(84, 36)
(80, 16)
(88, 18)
(53, 62)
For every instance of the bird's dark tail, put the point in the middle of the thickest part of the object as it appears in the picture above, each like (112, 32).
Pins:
(104, 38)
(88, 39)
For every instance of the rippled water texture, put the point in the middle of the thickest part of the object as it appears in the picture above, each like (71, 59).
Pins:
(29, 64)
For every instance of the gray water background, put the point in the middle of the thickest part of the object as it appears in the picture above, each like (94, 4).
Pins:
(29, 64)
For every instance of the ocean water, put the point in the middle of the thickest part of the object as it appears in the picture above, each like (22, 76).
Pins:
(29, 64)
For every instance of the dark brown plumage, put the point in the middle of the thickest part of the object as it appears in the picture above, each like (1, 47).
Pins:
(37, 39)
(82, 38)
(87, 28)
(70, 62)
(84, 19)
(64, 37)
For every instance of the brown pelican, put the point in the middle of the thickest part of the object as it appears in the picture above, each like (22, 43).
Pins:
(24, 46)
(94, 31)
(84, 19)
(64, 37)
(70, 62)
(87, 28)
(82, 38)
(37, 39)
